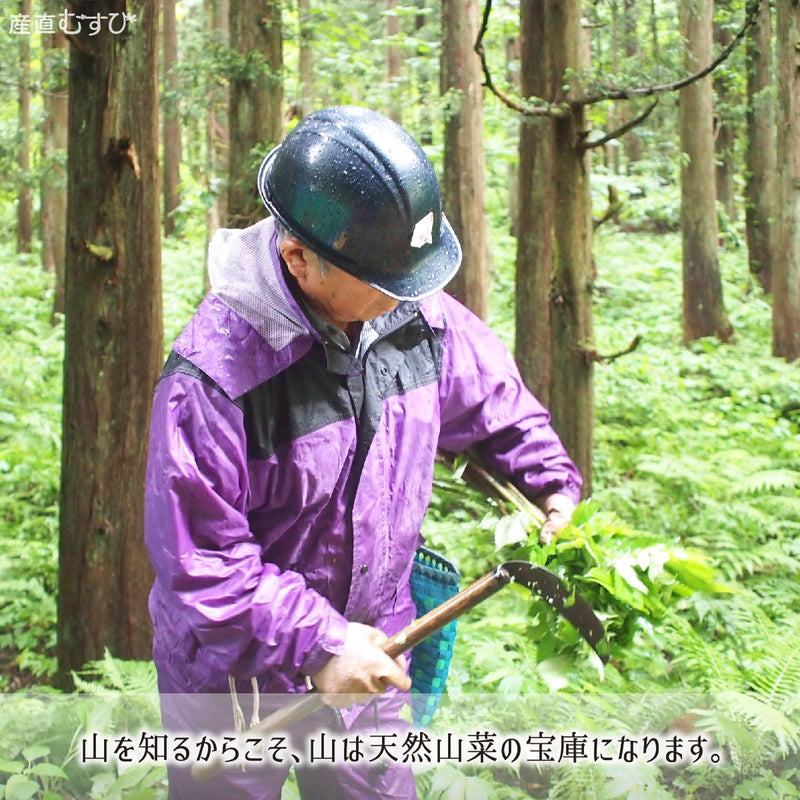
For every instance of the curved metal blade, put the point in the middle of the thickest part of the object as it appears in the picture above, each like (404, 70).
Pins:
(566, 601)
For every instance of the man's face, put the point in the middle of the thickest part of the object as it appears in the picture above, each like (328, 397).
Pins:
(333, 293)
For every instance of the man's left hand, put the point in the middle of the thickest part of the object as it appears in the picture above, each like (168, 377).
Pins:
(558, 508)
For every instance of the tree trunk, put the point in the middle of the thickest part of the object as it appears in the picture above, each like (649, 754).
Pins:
(394, 61)
(786, 261)
(703, 309)
(53, 213)
(554, 276)
(217, 136)
(464, 159)
(172, 124)
(425, 122)
(113, 336)
(306, 59)
(256, 102)
(24, 198)
(513, 64)
(725, 135)
(630, 17)
(761, 152)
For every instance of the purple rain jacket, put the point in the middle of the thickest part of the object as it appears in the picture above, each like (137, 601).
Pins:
(288, 479)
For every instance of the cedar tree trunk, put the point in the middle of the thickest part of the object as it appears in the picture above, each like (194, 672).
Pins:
(554, 331)
(305, 59)
(172, 123)
(53, 213)
(464, 160)
(394, 61)
(703, 309)
(256, 102)
(786, 277)
(113, 335)
(761, 155)
(24, 198)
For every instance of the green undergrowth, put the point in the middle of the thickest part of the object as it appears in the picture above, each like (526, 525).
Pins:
(688, 550)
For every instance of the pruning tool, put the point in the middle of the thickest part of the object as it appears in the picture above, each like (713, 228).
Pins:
(541, 582)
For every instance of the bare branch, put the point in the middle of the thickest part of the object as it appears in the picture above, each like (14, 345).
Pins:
(544, 110)
(33, 88)
(593, 355)
(610, 93)
(621, 131)
(606, 92)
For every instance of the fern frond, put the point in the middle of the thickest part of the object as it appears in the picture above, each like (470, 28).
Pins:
(777, 677)
(111, 675)
(762, 719)
(770, 481)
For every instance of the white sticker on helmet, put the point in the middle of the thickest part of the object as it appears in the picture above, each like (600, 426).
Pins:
(423, 231)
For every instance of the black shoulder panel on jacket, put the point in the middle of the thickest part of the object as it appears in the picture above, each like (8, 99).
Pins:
(309, 396)
(177, 363)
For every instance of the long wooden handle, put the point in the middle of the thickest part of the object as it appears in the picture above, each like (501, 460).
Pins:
(419, 630)
(442, 615)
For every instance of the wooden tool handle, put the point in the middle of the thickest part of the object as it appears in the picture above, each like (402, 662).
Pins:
(442, 615)
(419, 630)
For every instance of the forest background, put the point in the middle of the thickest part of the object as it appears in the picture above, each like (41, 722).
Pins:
(688, 432)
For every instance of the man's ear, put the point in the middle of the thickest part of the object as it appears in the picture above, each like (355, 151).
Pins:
(296, 255)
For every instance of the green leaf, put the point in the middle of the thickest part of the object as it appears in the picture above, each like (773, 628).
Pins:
(35, 751)
(48, 771)
(554, 672)
(99, 251)
(13, 767)
(694, 572)
(510, 530)
(20, 788)
(770, 480)
(584, 512)
(625, 570)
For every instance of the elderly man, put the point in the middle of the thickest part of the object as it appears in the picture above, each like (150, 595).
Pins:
(293, 439)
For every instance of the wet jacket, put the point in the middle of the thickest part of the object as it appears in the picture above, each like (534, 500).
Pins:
(288, 477)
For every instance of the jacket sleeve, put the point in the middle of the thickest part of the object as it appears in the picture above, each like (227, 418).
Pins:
(486, 405)
(249, 616)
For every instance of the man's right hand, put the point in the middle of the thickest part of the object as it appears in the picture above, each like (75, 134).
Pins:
(360, 670)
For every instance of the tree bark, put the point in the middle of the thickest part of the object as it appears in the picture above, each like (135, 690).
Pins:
(761, 154)
(425, 122)
(536, 201)
(725, 134)
(53, 213)
(630, 17)
(554, 275)
(703, 309)
(24, 196)
(786, 260)
(464, 159)
(217, 135)
(306, 59)
(256, 102)
(172, 123)
(394, 62)
(113, 335)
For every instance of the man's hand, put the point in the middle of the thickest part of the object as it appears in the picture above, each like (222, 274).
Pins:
(360, 670)
(558, 508)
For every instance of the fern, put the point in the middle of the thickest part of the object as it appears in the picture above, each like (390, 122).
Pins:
(111, 675)
(770, 481)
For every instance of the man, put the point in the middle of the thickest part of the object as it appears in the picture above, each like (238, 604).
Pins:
(293, 439)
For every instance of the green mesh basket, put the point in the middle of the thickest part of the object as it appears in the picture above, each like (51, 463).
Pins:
(434, 579)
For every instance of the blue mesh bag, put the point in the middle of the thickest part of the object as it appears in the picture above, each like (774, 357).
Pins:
(434, 580)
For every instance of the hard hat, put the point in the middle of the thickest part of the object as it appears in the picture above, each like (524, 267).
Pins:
(356, 188)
